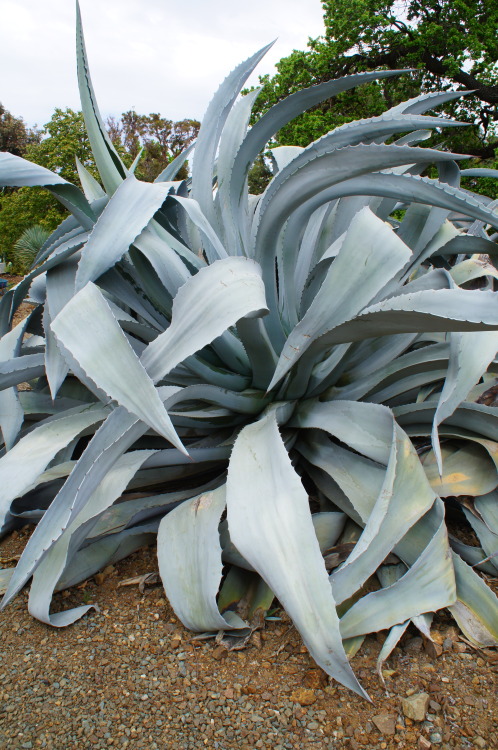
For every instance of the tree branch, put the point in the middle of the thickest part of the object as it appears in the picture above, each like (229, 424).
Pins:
(396, 57)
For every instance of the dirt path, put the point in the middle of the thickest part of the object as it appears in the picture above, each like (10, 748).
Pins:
(131, 676)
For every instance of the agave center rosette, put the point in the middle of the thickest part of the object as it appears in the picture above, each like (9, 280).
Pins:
(281, 387)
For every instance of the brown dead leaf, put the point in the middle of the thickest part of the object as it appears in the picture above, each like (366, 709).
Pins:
(489, 397)
(148, 579)
(468, 502)
(334, 556)
(7, 560)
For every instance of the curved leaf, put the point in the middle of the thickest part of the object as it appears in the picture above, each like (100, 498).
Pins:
(271, 526)
(367, 428)
(169, 173)
(91, 187)
(431, 576)
(121, 375)
(470, 357)
(370, 256)
(235, 290)
(211, 128)
(119, 431)
(17, 172)
(55, 561)
(20, 467)
(11, 412)
(476, 610)
(132, 206)
(110, 166)
(431, 310)
(189, 556)
(282, 113)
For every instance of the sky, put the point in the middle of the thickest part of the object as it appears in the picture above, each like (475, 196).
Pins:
(160, 56)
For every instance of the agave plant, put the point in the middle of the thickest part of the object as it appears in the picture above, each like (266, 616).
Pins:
(281, 387)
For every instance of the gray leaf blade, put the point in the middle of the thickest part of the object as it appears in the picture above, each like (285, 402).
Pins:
(11, 412)
(110, 166)
(235, 289)
(281, 114)
(431, 310)
(476, 610)
(18, 172)
(53, 564)
(111, 440)
(370, 256)
(431, 575)
(270, 524)
(190, 565)
(209, 134)
(130, 209)
(121, 376)
(404, 498)
(470, 356)
(30, 456)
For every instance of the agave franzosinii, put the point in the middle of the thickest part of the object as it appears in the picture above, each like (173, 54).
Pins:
(197, 350)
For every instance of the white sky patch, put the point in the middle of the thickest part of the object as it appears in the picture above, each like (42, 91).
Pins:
(154, 56)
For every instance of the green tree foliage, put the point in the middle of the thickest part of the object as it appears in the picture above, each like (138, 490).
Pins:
(161, 140)
(20, 210)
(259, 175)
(64, 139)
(450, 44)
(315, 65)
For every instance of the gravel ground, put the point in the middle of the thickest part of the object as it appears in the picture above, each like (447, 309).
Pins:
(130, 676)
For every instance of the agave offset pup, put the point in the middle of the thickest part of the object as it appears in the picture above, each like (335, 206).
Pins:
(281, 387)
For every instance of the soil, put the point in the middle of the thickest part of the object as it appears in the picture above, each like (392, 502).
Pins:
(22, 312)
(129, 675)
(25, 307)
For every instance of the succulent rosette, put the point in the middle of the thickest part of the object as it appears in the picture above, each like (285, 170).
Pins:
(283, 388)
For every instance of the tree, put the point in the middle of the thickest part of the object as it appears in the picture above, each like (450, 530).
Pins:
(161, 140)
(15, 137)
(65, 138)
(450, 45)
(259, 175)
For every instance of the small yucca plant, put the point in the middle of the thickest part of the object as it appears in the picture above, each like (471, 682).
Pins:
(27, 248)
(299, 360)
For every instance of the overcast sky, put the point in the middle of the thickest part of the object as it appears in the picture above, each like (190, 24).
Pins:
(151, 55)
